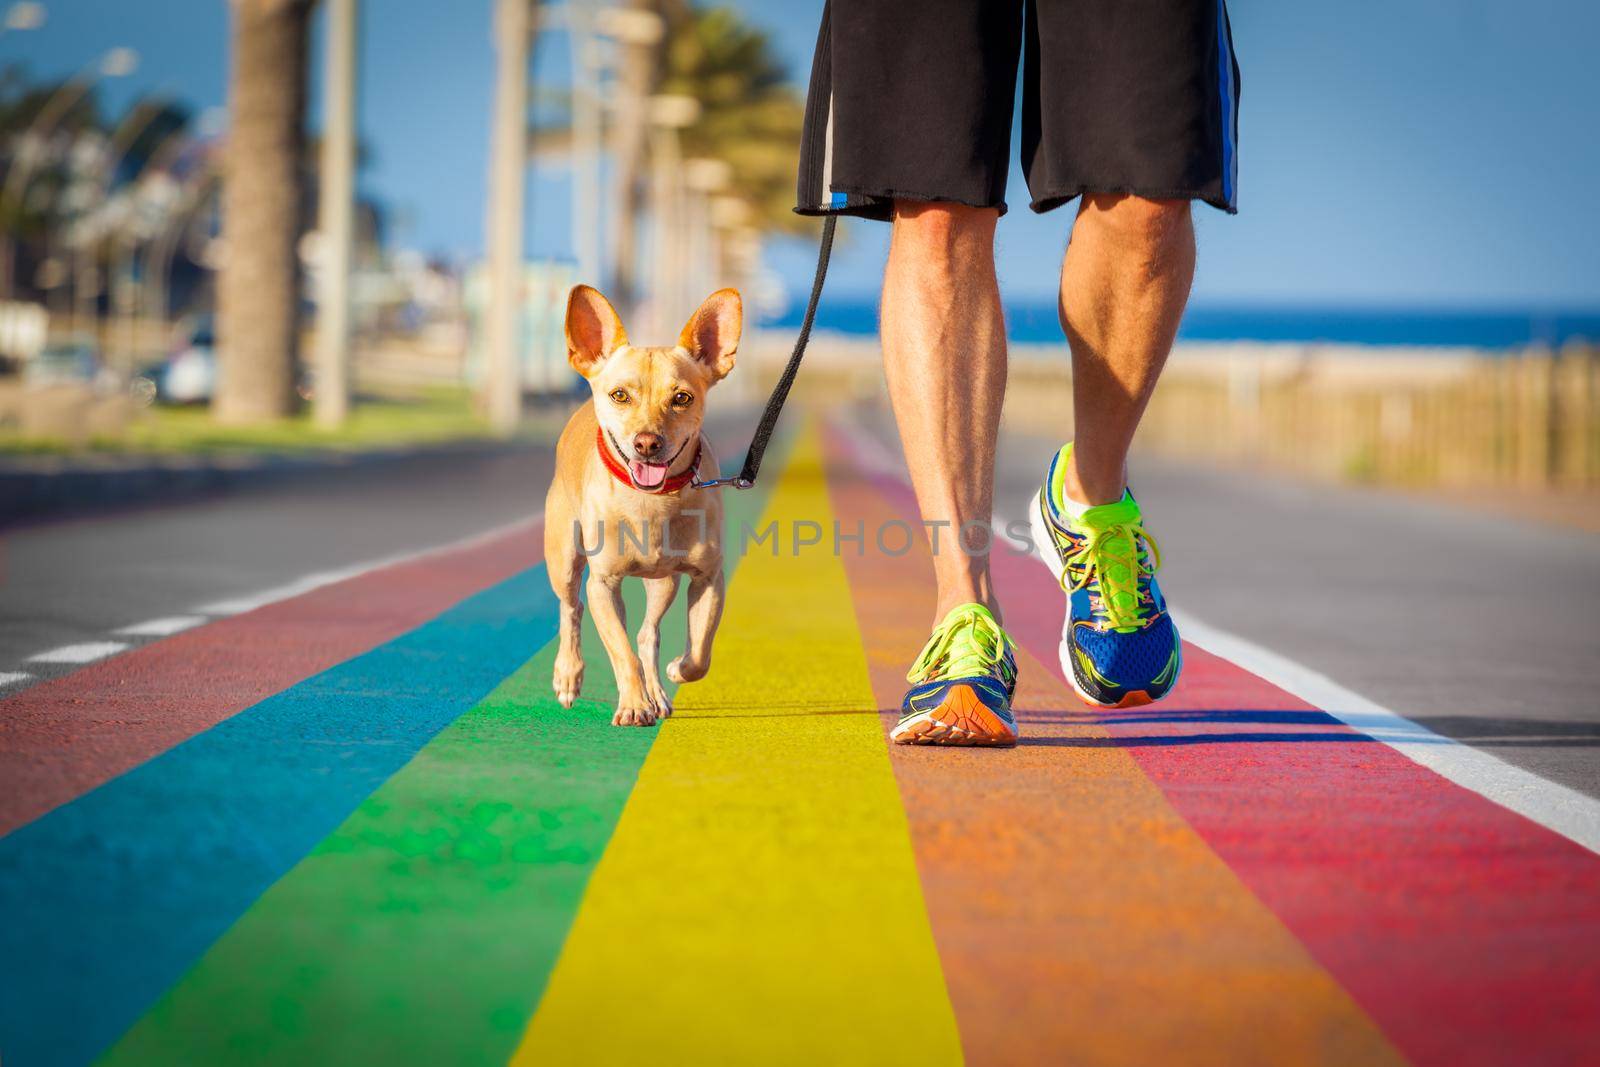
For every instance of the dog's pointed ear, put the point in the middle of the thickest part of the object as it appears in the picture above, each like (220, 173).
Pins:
(594, 330)
(712, 333)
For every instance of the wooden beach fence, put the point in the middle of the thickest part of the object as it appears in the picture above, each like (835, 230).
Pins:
(1524, 420)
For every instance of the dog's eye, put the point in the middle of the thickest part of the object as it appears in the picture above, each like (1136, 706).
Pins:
(682, 400)
(619, 395)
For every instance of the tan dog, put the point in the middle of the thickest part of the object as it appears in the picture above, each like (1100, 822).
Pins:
(623, 468)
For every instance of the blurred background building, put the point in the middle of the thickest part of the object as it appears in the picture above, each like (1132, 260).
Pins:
(222, 214)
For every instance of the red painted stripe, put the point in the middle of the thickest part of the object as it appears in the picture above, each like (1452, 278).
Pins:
(1469, 933)
(64, 737)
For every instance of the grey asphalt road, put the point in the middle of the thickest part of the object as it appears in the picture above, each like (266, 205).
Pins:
(1482, 628)
(77, 580)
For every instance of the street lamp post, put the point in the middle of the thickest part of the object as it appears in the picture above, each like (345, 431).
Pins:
(335, 216)
(159, 256)
(124, 248)
(586, 133)
(505, 218)
(704, 178)
(190, 195)
(85, 272)
(638, 30)
(669, 115)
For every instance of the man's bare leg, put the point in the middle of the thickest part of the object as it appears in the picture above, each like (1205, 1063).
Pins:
(944, 354)
(1124, 282)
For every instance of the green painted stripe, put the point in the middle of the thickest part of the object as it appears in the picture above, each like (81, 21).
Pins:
(425, 928)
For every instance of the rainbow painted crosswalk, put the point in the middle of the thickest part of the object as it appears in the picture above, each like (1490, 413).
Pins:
(355, 827)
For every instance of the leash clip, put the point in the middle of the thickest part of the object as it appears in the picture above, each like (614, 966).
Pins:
(718, 483)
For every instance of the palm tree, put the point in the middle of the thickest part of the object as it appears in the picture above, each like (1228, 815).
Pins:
(29, 208)
(258, 320)
(750, 117)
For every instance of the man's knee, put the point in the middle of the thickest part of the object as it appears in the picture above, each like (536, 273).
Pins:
(938, 227)
(1136, 220)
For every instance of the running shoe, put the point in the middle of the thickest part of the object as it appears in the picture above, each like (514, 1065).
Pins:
(961, 685)
(1119, 646)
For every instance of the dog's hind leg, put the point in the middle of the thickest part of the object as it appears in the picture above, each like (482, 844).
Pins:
(705, 612)
(658, 598)
(565, 562)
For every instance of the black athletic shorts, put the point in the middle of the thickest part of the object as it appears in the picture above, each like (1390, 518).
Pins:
(912, 99)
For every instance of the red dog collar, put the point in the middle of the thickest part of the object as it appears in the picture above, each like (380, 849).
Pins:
(671, 484)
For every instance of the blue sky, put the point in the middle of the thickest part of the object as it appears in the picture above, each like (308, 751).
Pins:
(1433, 152)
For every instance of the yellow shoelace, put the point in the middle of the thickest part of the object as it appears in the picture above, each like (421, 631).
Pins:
(1111, 555)
(962, 646)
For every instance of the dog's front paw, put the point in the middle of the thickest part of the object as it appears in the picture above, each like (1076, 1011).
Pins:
(635, 712)
(567, 681)
(683, 669)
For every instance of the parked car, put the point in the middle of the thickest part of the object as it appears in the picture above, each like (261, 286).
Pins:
(189, 374)
(73, 361)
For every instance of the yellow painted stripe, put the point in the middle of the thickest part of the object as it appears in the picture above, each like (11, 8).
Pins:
(759, 901)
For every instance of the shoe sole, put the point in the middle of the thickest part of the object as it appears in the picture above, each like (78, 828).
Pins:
(1044, 551)
(960, 719)
(1136, 699)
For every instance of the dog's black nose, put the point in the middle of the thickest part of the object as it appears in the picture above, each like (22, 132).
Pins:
(647, 445)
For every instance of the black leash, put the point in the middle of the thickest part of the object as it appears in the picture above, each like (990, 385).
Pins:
(780, 393)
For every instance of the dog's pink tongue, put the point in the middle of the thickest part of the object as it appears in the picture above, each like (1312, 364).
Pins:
(647, 475)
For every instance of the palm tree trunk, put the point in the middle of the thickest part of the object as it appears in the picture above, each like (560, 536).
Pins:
(258, 309)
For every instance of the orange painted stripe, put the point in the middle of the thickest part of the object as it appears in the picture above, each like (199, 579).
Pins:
(1079, 918)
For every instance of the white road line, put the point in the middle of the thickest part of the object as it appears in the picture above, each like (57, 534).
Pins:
(162, 627)
(306, 583)
(1573, 815)
(87, 652)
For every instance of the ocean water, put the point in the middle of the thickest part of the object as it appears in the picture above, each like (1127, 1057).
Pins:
(1491, 329)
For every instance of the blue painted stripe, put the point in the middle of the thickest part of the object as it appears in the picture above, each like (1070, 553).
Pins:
(1230, 106)
(106, 901)
(840, 200)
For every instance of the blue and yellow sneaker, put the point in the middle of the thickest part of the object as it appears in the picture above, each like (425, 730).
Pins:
(1119, 647)
(961, 685)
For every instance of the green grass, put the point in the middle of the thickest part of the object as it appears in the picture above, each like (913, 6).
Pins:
(433, 416)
